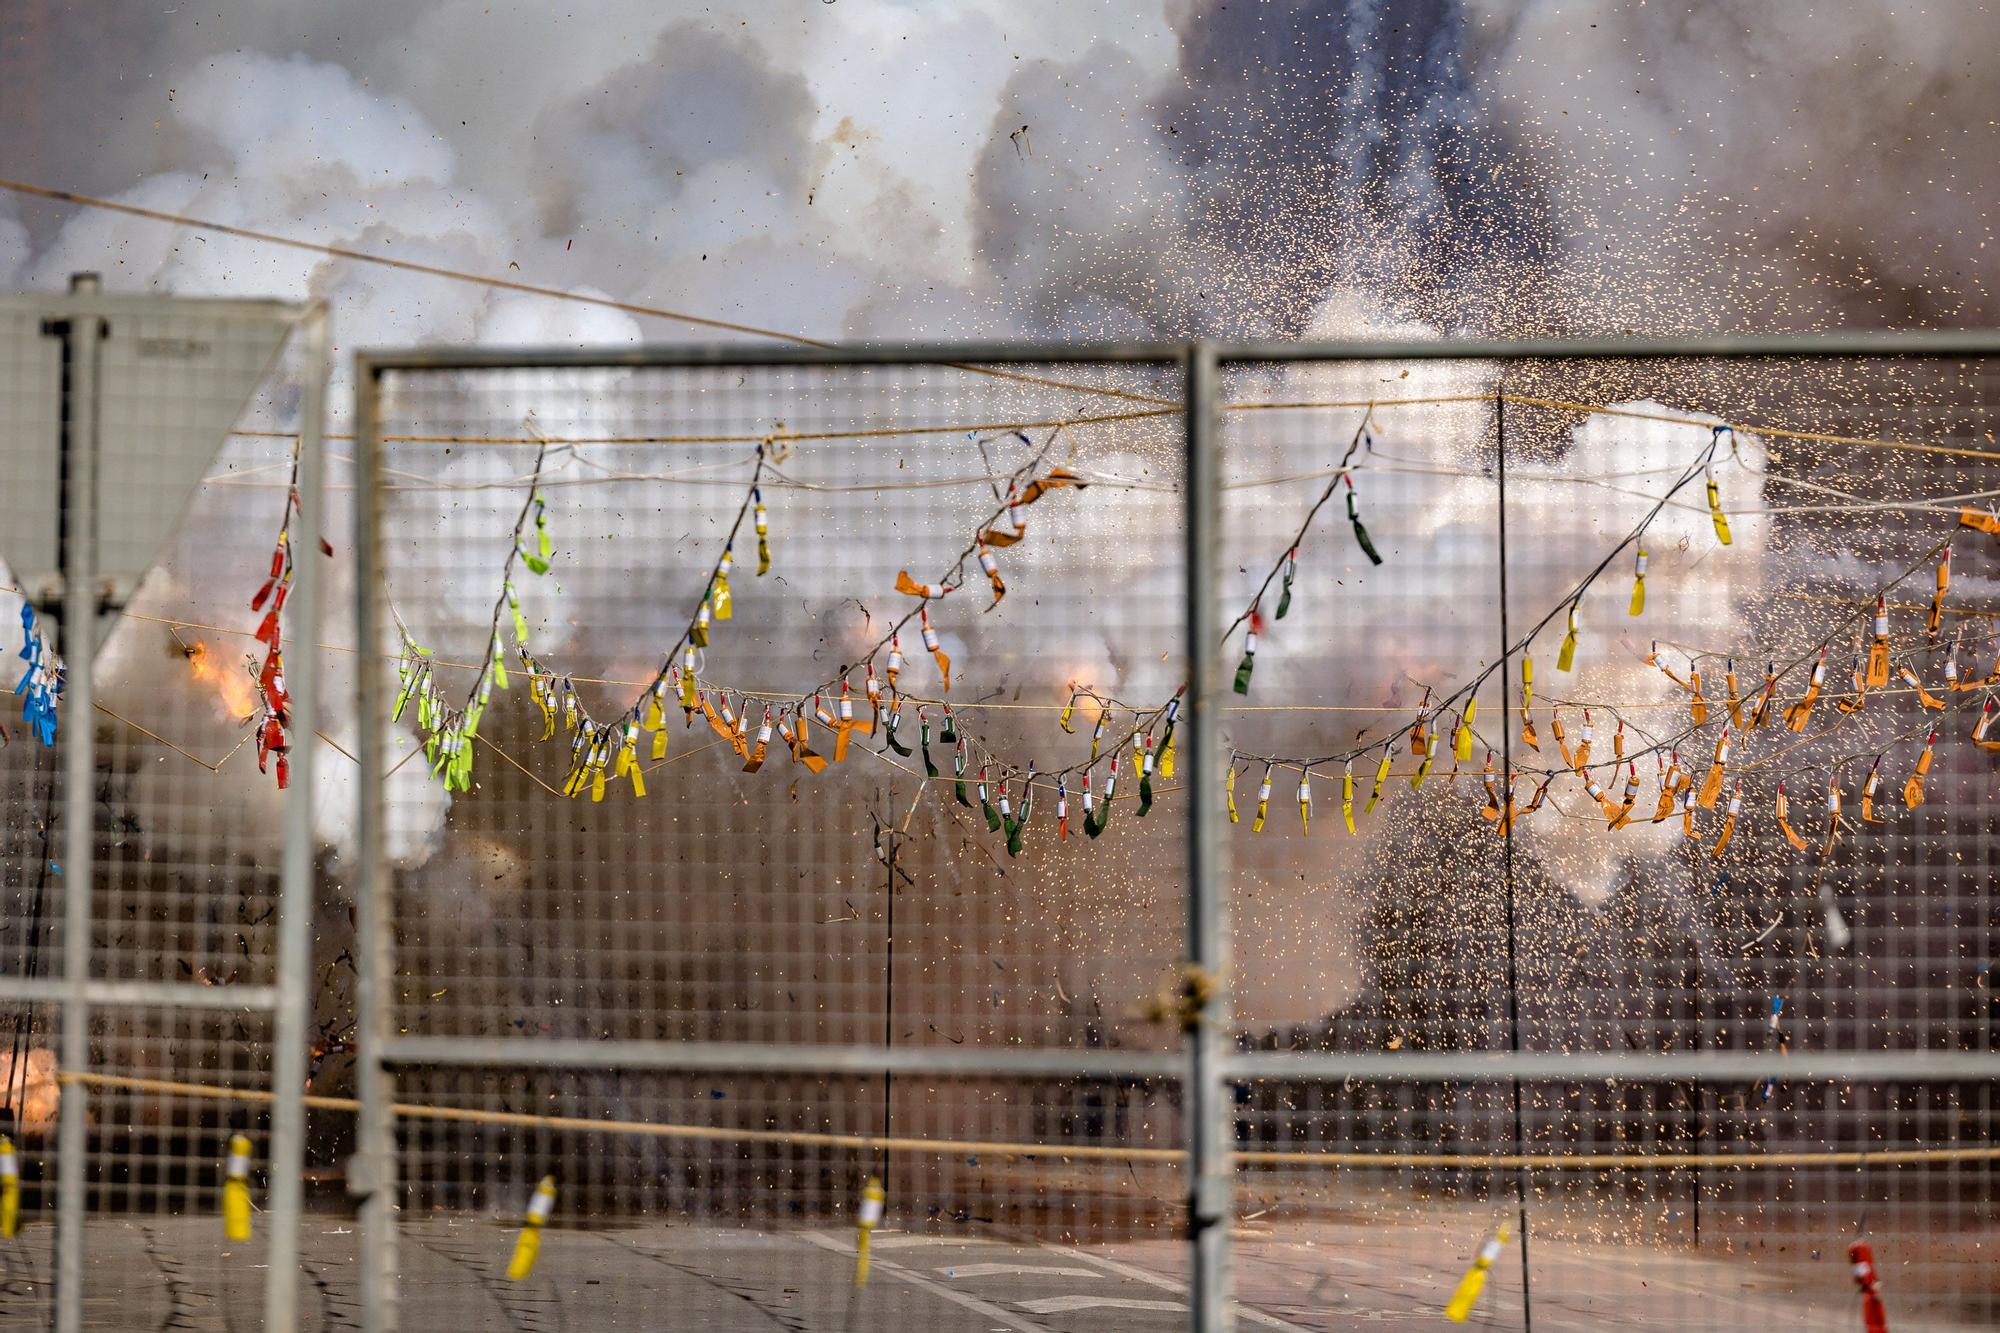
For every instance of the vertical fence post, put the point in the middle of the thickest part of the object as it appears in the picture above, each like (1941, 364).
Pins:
(79, 648)
(295, 890)
(372, 1173)
(1207, 1105)
(1507, 873)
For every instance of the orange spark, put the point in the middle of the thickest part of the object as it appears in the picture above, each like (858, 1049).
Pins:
(235, 692)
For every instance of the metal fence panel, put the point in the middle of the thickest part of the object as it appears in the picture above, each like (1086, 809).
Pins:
(1631, 1197)
(862, 907)
(730, 1000)
(144, 914)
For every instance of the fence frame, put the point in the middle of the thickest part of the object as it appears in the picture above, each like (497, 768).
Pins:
(1205, 1065)
(95, 315)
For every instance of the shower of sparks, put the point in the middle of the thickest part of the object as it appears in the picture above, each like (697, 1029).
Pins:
(1318, 169)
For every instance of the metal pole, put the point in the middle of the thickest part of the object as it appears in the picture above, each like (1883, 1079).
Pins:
(79, 638)
(295, 893)
(1507, 798)
(888, 994)
(1209, 1171)
(372, 1173)
(1700, 1031)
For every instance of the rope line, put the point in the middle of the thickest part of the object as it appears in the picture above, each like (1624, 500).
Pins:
(1768, 432)
(525, 288)
(1168, 408)
(870, 1143)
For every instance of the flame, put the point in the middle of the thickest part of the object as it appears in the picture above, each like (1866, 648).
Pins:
(235, 693)
(38, 1089)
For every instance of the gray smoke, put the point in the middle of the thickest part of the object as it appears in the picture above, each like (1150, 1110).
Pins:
(1292, 152)
(996, 168)
(1741, 165)
(859, 169)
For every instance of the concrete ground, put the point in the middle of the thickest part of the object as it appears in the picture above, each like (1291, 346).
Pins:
(178, 1273)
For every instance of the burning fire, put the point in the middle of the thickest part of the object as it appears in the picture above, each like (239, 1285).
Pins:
(235, 691)
(36, 1085)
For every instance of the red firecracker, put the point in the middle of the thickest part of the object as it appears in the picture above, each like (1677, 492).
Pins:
(271, 742)
(267, 629)
(1873, 1317)
(271, 738)
(278, 561)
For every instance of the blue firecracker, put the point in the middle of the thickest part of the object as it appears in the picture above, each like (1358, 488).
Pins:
(41, 684)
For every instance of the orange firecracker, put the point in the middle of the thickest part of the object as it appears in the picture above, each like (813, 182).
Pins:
(1913, 790)
(1728, 821)
(1784, 821)
(1924, 696)
(1868, 790)
(1936, 620)
(1711, 785)
(1669, 786)
(1878, 647)
(1624, 815)
(1762, 712)
(1800, 713)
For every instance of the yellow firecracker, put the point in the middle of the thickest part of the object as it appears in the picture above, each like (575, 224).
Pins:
(528, 1247)
(869, 1217)
(10, 1189)
(1566, 655)
(1474, 1281)
(236, 1190)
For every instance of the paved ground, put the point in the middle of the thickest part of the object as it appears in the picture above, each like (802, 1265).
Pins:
(176, 1274)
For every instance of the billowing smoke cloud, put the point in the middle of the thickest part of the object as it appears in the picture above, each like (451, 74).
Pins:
(13, 239)
(1294, 150)
(1738, 165)
(1004, 168)
(1196, 166)
(1431, 612)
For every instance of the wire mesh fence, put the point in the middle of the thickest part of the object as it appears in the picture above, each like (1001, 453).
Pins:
(140, 921)
(1613, 913)
(1546, 982)
(782, 905)
(1404, 536)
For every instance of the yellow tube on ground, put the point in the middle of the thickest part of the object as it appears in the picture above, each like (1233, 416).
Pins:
(866, 1220)
(236, 1190)
(529, 1247)
(1474, 1281)
(10, 1189)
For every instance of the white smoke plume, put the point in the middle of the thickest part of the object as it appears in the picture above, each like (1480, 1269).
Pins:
(998, 168)
(1735, 164)
(1430, 612)
(1186, 165)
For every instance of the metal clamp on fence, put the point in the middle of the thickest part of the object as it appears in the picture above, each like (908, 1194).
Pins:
(1185, 1000)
